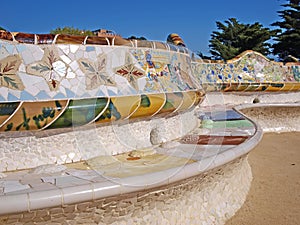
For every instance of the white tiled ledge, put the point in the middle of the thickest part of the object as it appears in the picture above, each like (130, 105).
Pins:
(274, 117)
(245, 99)
(45, 195)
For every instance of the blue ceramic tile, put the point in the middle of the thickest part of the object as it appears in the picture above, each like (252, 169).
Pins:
(2, 99)
(100, 94)
(86, 95)
(223, 116)
(11, 97)
(42, 95)
(10, 48)
(26, 96)
(111, 93)
(90, 49)
(70, 94)
(59, 96)
(21, 48)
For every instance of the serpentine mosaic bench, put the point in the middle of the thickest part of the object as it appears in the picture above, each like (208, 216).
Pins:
(103, 128)
(106, 176)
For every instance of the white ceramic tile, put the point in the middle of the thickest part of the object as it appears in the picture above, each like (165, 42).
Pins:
(77, 194)
(106, 189)
(13, 203)
(65, 48)
(37, 54)
(83, 174)
(179, 174)
(3, 92)
(205, 164)
(74, 65)
(74, 48)
(27, 57)
(158, 179)
(45, 199)
(67, 181)
(134, 181)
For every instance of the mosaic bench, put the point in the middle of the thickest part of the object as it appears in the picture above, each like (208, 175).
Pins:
(106, 129)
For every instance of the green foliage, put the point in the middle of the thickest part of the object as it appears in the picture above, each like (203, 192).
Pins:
(235, 38)
(72, 31)
(296, 2)
(137, 38)
(288, 36)
(1, 28)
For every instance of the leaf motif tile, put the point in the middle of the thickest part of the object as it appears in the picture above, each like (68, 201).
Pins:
(51, 68)
(96, 73)
(9, 67)
(130, 71)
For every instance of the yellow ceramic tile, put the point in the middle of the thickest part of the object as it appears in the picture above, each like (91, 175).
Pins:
(7, 110)
(189, 99)
(34, 115)
(173, 102)
(150, 105)
(119, 108)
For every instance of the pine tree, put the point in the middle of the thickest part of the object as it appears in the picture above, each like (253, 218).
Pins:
(288, 36)
(235, 38)
(132, 37)
(72, 31)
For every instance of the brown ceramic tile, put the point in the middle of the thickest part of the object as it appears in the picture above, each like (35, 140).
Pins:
(160, 45)
(121, 41)
(144, 44)
(24, 38)
(213, 140)
(69, 39)
(6, 35)
(45, 38)
(96, 41)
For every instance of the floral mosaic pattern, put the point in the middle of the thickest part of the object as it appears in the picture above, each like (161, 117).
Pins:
(130, 71)
(51, 68)
(164, 72)
(9, 67)
(95, 72)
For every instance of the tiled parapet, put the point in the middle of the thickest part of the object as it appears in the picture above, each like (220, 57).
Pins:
(74, 70)
(248, 72)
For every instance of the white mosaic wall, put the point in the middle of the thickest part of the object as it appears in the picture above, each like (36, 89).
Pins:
(205, 199)
(31, 151)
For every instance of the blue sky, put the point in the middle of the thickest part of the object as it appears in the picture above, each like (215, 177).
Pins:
(194, 21)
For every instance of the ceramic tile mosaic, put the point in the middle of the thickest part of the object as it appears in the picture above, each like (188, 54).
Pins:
(144, 69)
(249, 71)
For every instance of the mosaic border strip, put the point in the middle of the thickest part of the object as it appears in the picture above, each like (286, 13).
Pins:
(25, 116)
